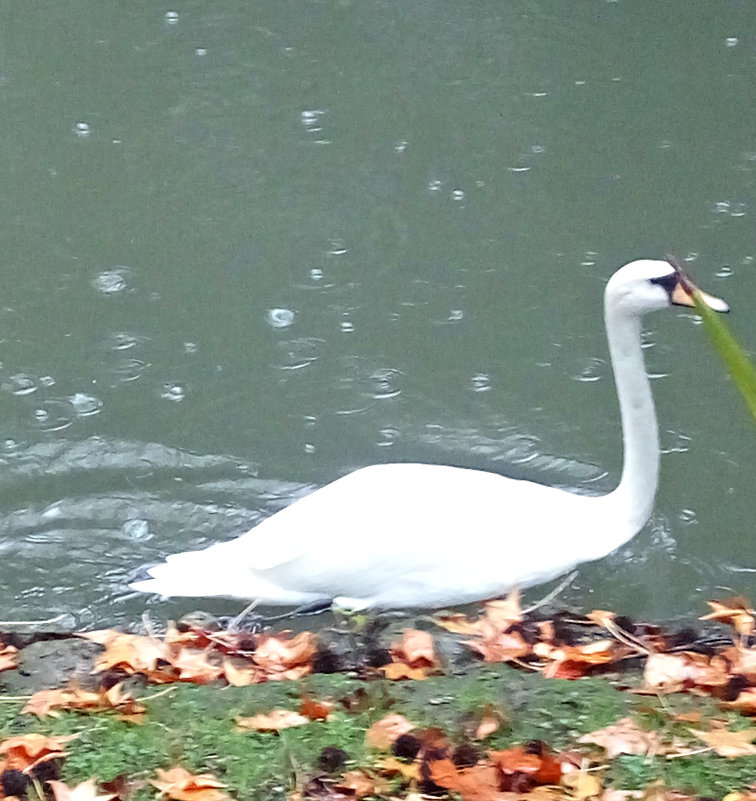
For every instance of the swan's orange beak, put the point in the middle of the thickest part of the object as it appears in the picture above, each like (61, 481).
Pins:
(682, 297)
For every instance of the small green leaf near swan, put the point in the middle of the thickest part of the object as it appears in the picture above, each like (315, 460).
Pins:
(739, 366)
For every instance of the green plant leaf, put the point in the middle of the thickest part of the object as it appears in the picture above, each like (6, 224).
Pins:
(737, 362)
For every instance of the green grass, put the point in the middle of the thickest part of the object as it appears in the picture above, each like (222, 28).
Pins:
(194, 726)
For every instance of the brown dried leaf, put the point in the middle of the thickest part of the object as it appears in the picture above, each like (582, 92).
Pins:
(745, 702)
(736, 612)
(501, 647)
(415, 648)
(386, 731)
(391, 766)
(478, 783)
(240, 674)
(86, 791)
(315, 710)
(284, 657)
(583, 785)
(727, 743)
(50, 702)
(487, 726)
(357, 783)
(26, 750)
(133, 653)
(179, 784)
(395, 671)
(275, 720)
(672, 672)
(194, 666)
(8, 656)
(574, 661)
(624, 737)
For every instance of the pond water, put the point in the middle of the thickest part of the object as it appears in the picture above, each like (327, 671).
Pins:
(248, 247)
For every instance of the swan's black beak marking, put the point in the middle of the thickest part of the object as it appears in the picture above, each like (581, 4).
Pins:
(681, 293)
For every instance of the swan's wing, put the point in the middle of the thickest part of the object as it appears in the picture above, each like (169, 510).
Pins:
(405, 520)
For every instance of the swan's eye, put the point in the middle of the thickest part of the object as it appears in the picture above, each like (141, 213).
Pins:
(669, 281)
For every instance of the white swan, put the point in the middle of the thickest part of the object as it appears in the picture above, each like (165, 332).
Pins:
(422, 535)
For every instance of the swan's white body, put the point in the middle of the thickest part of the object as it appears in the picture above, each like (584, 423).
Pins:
(404, 535)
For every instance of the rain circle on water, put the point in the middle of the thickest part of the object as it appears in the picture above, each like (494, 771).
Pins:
(280, 318)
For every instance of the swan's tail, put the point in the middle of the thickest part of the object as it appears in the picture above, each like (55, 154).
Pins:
(216, 572)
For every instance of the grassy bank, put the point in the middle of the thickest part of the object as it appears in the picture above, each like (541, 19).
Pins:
(195, 726)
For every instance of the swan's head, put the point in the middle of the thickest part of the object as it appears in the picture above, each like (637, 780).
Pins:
(647, 284)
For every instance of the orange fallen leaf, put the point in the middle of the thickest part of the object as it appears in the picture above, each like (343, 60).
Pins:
(624, 737)
(574, 661)
(133, 653)
(315, 710)
(8, 657)
(50, 702)
(179, 784)
(24, 751)
(736, 612)
(478, 783)
(728, 743)
(672, 672)
(745, 702)
(275, 720)
(240, 674)
(284, 657)
(391, 766)
(505, 611)
(386, 731)
(742, 661)
(415, 648)
(357, 783)
(395, 671)
(194, 666)
(86, 791)
(501, 647)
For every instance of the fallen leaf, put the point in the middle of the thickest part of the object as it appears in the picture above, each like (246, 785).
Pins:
(194, 666)
(478, 783)
(583, 785)
(275, 720)
(728, 743)
(179, 784)
(673, 672)
(356, 783)
(8, 656)
(515, 760)
(284, 657)
(745, 702)
(86, 791)
(133, 653)
(240, 674)
(487, 726)
(24, 751)
(501, 647)
(50, 702)
(391, 766)
(386, 731)
(315, 710)
(395, 671)
(415, 648)
(624, 737)
(503, 612)
(736, 612)
(574, 661)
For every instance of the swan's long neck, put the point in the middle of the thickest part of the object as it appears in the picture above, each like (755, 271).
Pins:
(629, 506)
